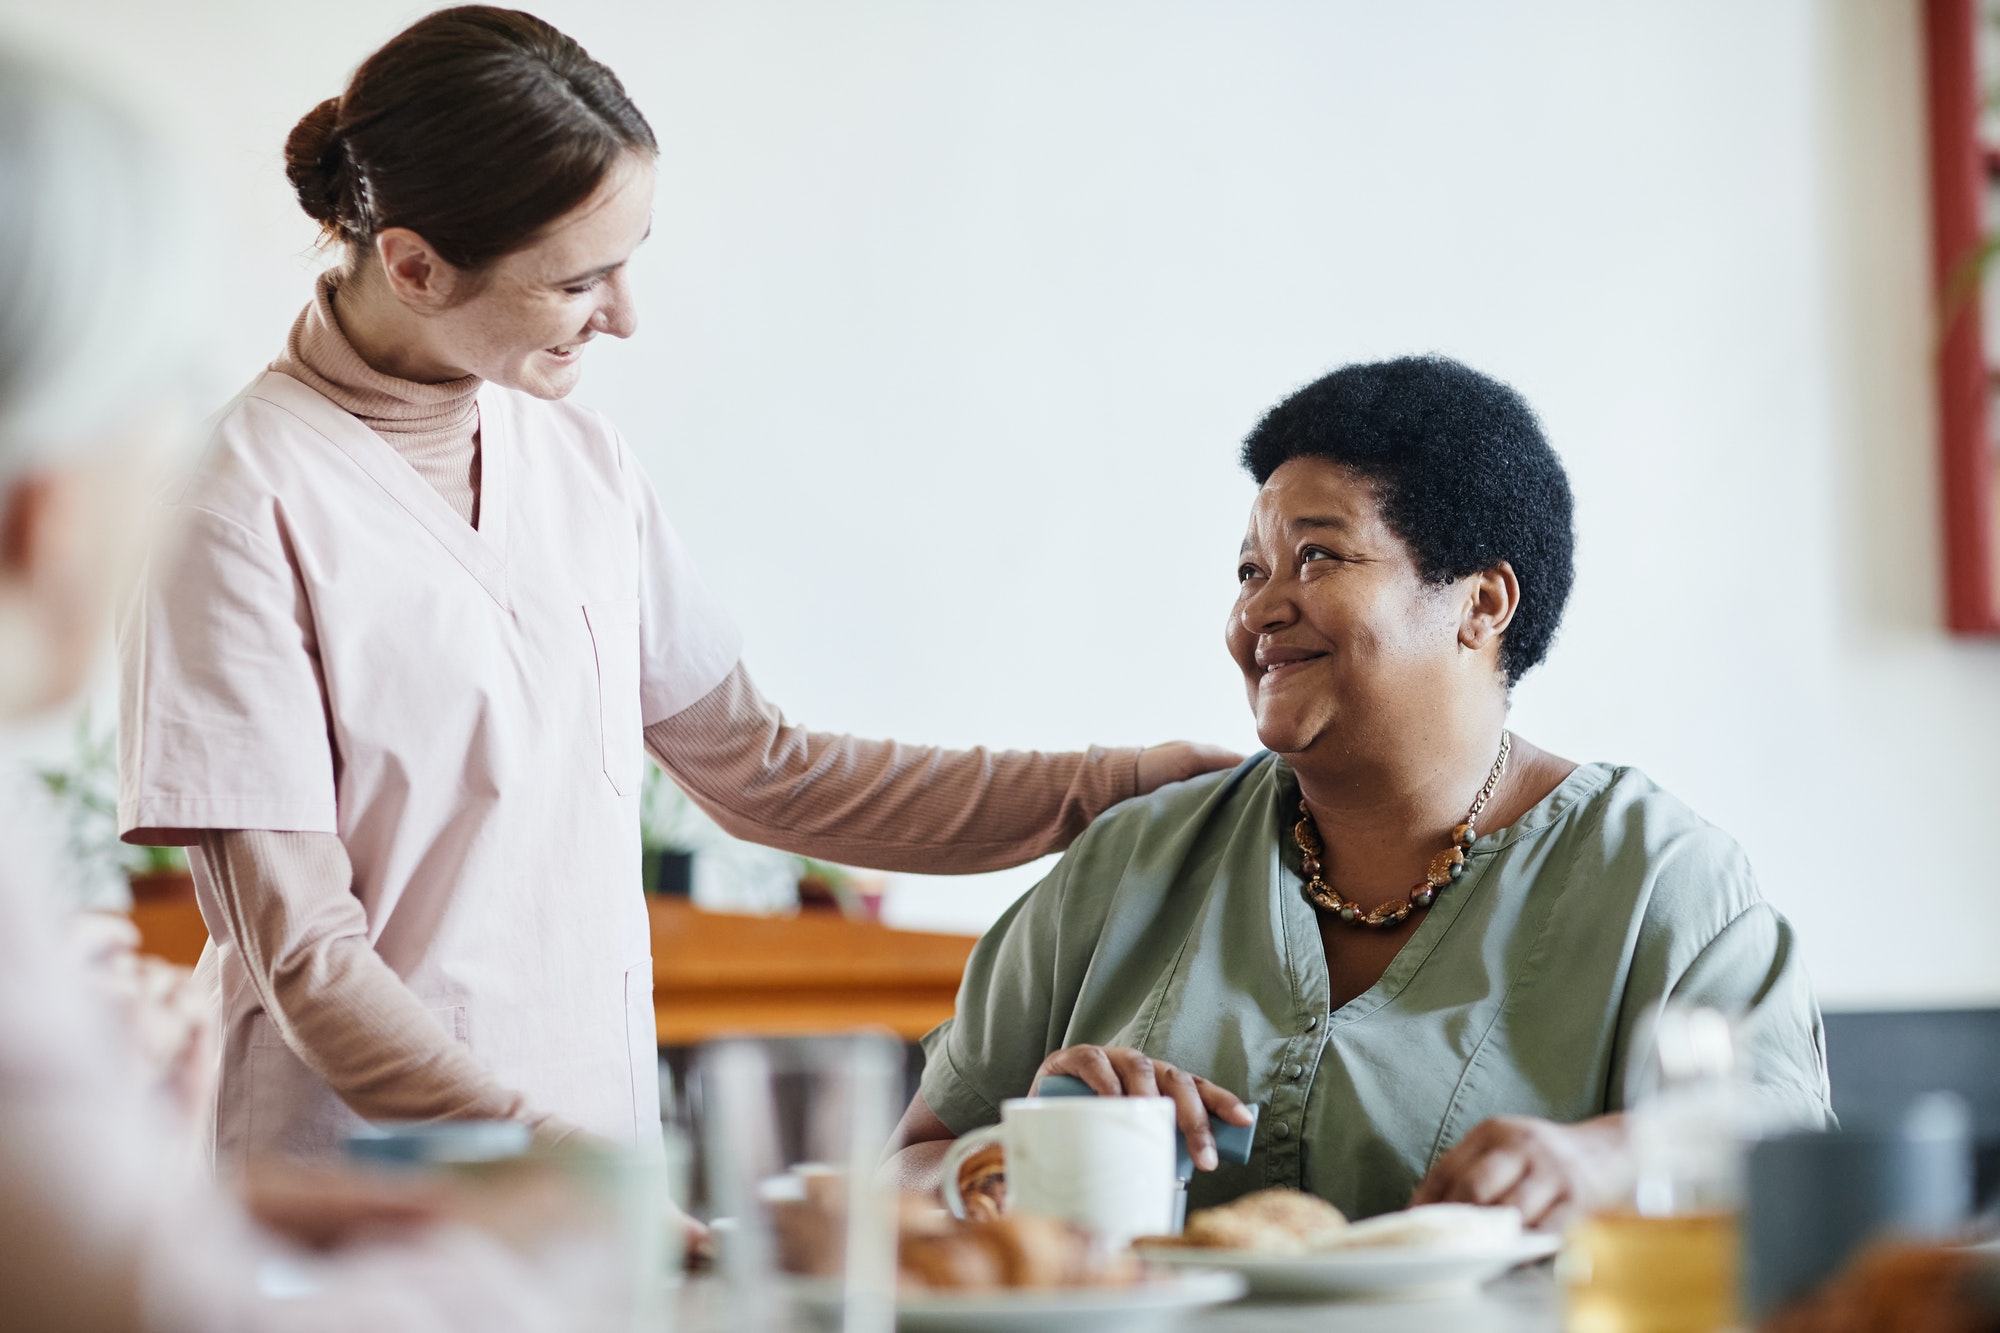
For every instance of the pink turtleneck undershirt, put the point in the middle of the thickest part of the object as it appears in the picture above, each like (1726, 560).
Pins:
(435, 427)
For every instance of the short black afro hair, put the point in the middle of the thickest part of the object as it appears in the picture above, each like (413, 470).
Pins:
(1460, 468)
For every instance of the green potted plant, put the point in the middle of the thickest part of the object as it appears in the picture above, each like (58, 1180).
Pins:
(742, 876)
(668, 828)
(825, 887)
(86, 792)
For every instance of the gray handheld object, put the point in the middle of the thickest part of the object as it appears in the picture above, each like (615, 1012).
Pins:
(1232, 1142)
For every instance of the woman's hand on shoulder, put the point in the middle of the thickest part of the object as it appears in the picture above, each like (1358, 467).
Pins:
(1553, 1173)
(1177, 761)
(1120, 1071)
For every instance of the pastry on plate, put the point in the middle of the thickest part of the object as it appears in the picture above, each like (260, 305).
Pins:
(1273, 1221)
(1288, 1222)
(1015, 1252)
(1436, 1226)
(982, 1183)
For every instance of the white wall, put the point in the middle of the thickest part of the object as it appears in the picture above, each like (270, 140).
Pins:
(954, 314)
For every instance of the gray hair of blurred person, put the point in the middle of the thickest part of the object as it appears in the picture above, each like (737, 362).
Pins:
(95, 285)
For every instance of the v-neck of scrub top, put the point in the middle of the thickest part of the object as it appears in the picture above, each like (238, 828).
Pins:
(482, 551)
(1300, 914)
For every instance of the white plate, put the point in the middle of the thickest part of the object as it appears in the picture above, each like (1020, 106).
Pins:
(1396, 1272)
(1156, 1303)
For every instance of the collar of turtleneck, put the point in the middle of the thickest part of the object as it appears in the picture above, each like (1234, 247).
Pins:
(435, 427)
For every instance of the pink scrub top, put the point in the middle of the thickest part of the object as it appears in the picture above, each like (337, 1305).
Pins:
(323, 644)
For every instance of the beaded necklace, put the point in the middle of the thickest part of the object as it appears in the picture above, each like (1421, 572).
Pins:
(1445, 867)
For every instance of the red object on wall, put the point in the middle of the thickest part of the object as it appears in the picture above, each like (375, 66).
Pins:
(1960, 169)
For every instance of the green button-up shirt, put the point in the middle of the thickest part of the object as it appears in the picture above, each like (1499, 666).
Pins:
(1177, 924)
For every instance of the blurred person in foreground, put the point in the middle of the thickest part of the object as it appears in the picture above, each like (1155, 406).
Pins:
(108, 1225)
(1427, 946)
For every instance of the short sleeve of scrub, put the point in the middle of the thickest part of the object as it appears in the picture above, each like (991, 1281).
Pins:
(687, 641)
(225, 722)
(1029, 984)
(1709, 938)
(990, 1048)
(1752, 971)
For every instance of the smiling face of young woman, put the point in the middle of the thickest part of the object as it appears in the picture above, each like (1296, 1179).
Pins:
(521, 321)
(524, 321)
(1335, 630)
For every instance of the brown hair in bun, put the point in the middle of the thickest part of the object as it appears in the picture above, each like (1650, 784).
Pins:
(475, 127)
(315, 165)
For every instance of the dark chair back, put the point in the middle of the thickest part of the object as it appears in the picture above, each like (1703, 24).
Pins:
(1880, 1061)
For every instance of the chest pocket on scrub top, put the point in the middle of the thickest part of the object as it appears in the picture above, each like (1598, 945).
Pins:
(614, 635)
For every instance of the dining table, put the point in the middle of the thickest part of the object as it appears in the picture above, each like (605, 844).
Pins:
(1524, 1301)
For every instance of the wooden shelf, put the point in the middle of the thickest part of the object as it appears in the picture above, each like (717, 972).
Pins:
(171, 928)
(716, 973)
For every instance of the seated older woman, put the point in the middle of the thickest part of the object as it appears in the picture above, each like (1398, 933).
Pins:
(1426, 945)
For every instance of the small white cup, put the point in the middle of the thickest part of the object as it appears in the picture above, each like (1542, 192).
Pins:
(1103, 1163)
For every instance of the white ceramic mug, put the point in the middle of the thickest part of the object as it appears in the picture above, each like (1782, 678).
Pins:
(1103, 1163)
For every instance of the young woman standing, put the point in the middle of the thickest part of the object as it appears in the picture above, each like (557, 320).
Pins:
(394, 675)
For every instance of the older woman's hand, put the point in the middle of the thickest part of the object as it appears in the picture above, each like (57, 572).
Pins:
(1120, 1071)
(1177, 761)
(1553, 1173)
